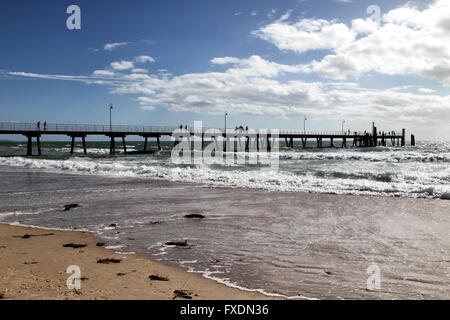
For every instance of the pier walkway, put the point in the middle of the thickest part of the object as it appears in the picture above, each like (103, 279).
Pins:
(259, 139)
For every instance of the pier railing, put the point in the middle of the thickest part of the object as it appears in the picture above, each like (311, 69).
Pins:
(55, 128)
(36, 130)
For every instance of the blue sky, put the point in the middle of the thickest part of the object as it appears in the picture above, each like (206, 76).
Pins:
(268, 63)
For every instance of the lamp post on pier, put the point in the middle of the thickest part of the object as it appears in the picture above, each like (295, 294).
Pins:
(343, 122)
(110, 122)
(304, 124)
(225, 116)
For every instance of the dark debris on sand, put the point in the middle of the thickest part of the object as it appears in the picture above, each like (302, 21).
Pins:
(27, 236)
(108, 260)
(194, 216)
(100, 244)
(184, 294)
(157, 277)
(74, 245)
(177, 243)
(67, 207)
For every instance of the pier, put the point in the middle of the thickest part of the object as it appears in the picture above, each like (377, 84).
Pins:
(255, 140)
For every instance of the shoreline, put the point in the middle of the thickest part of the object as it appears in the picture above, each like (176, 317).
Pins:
(147, 180)
(35, 268)
(319, 257)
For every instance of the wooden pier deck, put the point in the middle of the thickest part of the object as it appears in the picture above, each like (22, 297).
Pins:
(259, 138)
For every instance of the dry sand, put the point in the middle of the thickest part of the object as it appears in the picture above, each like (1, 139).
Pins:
(35, 268)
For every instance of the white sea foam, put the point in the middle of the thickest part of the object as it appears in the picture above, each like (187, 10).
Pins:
(26, 212)
(228, 283)
(389, 172)
(115, 247)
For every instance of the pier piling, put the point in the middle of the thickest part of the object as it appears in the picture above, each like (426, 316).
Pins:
(124, 145)
(253, 140)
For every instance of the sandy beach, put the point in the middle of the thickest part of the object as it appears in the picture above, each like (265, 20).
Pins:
(35, 268)
(288, 244)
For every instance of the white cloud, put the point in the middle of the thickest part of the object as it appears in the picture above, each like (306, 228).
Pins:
(225, 60)
(139, 70)
(364, 26)
(255, 66)
(254, 13)
(251, 86)
(143, 59)
(114, 45)
(306, 34)
(426, 90)
(271, 14)
(105, 73)
(409, 42)
(122, 65)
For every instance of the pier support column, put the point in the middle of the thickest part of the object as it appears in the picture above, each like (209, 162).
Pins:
(72, 145)
(83, 139)
(112, 147)
(247, 142)
(159, 143)
(257, 142)
(403, 137)
(226, 147)
(344, 143)
(145, 144)
(331, 142)
(304, 143)
(375, 137)
(216, 141)
(29, 146)
(291, 142)
(38, 142)
(413, 140)
(319, 142)
(124, 145)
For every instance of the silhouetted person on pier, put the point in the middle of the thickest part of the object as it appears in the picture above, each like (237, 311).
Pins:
(45, 126)
(181, 126)
(39, 125)
(185, 127)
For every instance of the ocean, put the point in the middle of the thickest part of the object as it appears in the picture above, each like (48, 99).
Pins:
(420, 171)
(311, 227)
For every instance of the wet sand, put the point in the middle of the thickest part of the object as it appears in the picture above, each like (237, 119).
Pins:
(35, 268)
(287, 243)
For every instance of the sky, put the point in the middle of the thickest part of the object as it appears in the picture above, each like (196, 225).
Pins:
(268, 64)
